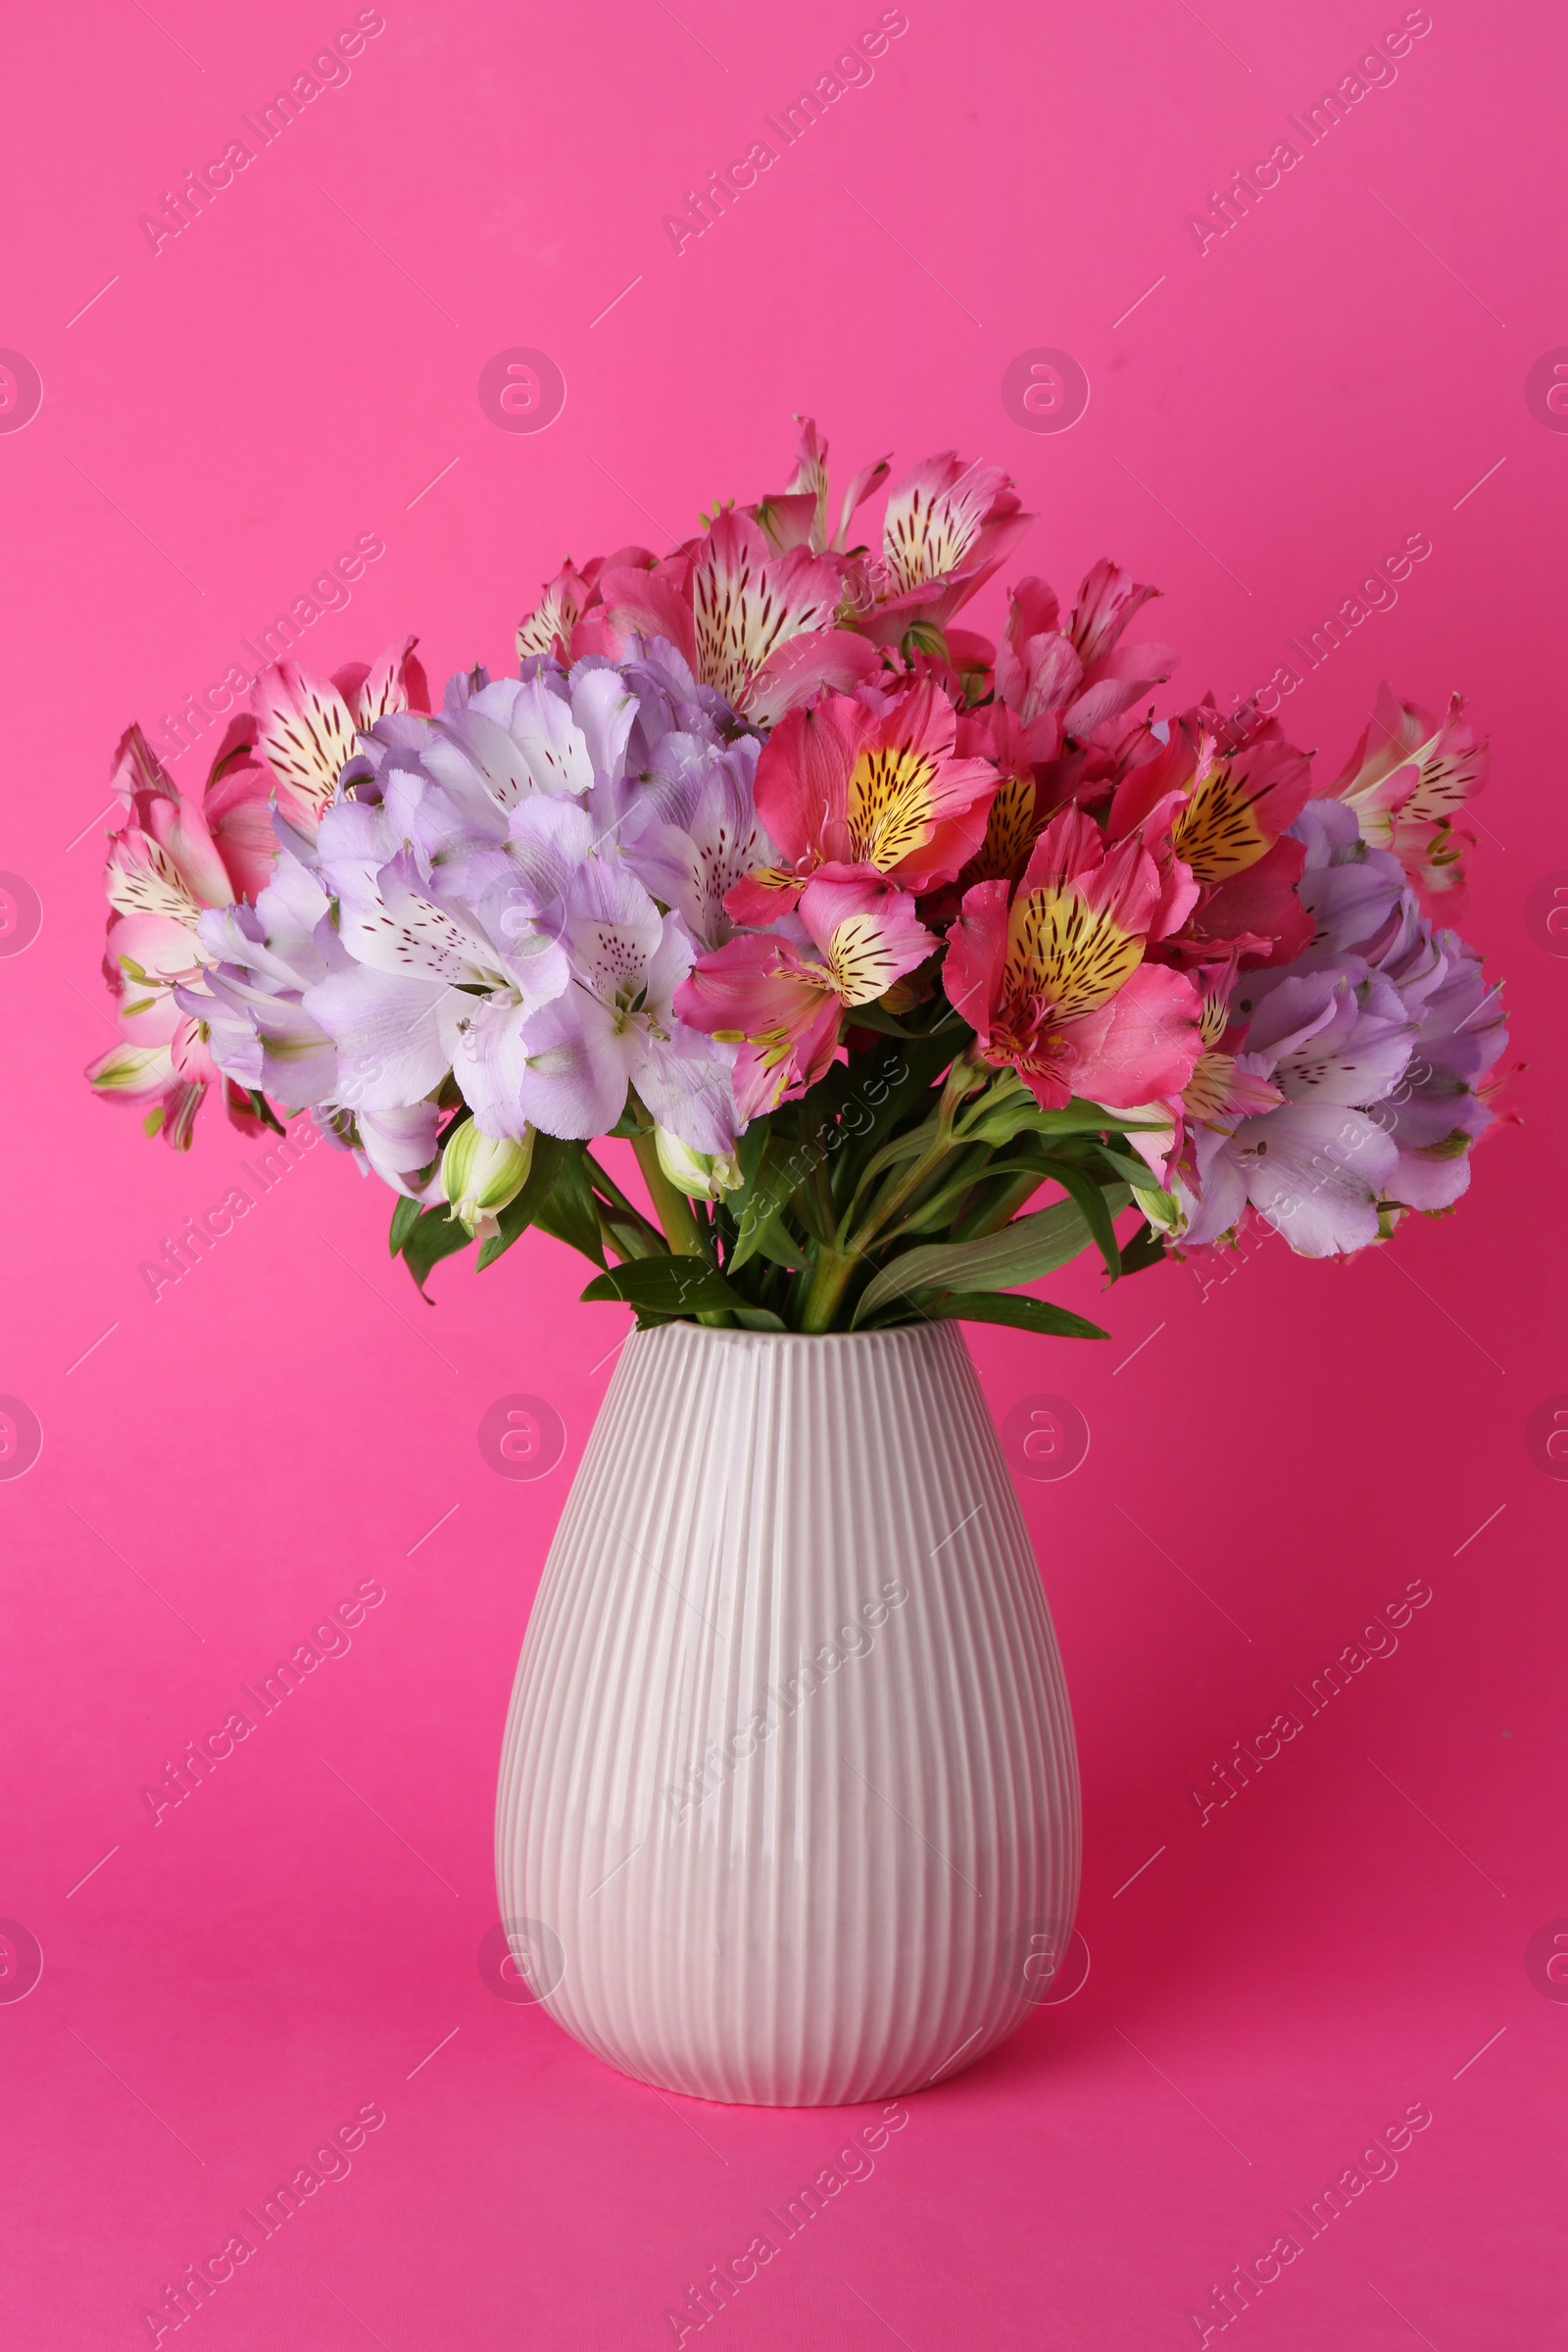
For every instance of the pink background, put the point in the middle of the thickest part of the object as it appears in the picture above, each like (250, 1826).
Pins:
(1277, 1983)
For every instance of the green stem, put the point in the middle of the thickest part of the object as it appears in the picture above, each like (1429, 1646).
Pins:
(676, 1215)
(963, 1079)
(674, 1211)
(830, 1277)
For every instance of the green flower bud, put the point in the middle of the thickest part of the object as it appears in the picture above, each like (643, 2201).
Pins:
(481, 1173)
(701, 1175)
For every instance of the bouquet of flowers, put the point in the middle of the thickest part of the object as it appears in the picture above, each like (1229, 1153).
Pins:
(858, 931)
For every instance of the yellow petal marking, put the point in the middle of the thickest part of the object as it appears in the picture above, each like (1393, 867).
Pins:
(860, 961)
(1011, 830)
(1064, 954)
(891, 805)
(1216, 834)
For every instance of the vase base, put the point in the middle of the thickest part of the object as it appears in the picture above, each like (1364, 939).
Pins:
(740, 2084)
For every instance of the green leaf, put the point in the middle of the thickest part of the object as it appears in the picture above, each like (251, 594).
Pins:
(1081, 1188)
(1146, 1248)
(872, 1016)
(1135, 1172)
(404, 1217)
(753, 1142)
(628, 1234)
(567, 1210)
(1021, 1114)
(667, 1285)
(784, 1162)
(937, 1211)
(519, 1213)
(1020, 1253)
(434, 1235)
(759, 1318)
(775, 1242)
(1024, 1314)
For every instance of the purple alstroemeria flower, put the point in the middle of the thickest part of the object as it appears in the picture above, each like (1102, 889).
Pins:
(506, 892)
(569, 1067)
(1378, 1035)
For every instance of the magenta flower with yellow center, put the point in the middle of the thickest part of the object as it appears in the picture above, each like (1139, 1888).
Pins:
(851, 787)
(1054, 984)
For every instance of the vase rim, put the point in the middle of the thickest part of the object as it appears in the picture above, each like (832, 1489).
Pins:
(711, 1331)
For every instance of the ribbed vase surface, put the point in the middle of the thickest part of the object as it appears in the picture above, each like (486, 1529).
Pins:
(789, 1800)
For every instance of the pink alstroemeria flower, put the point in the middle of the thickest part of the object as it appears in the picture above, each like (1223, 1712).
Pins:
(762, 628)
(848, 787)
(946, 528)
(1224, 1086)
(796, 517)
(779, 997)
(1236, 797)
(1406, 780)
(174, 857)
(1069, 679)
(1054, 985)
(307, 728)
(547, 630)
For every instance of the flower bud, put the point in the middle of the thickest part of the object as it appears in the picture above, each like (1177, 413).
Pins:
(701, 1175)
(481, 1173)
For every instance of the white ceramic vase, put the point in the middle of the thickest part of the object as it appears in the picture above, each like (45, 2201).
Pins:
(789, 1800)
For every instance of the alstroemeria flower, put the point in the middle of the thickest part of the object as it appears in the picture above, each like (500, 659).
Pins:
(853, 788)
(449, 962)
(306, 727)
(1017, 814)
(1317, 1166)
(691, 830)
(1222, 1088)
(261, 960)
(1406, 780)
(1315, 1171)
(173, 858)
(547, 630)
(762, 629)
(796, 517)
(1054, 985)
(568, 1069)
(1439, 1109)
(1354, 898)
(778, 995)
(1235, 805)
(1379, 1037)
(1067, 680)
(946, 528)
